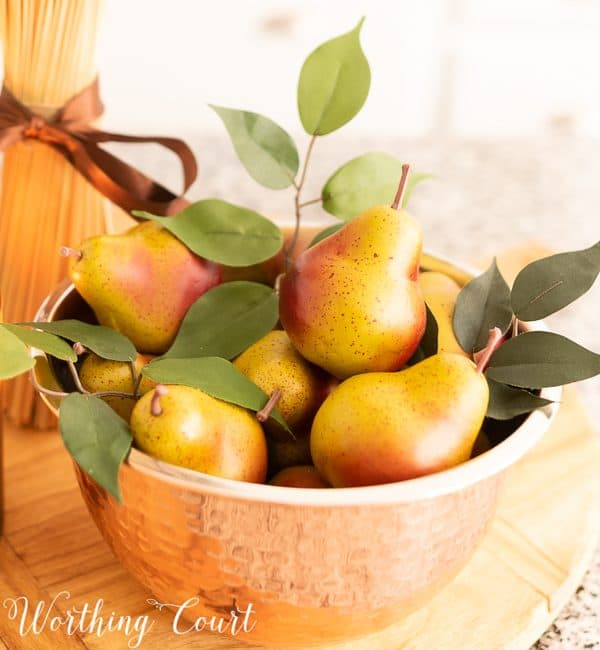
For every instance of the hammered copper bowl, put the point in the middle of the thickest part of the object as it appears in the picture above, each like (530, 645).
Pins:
(317, 566)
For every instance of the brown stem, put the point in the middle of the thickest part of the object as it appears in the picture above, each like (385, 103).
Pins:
(155, 407)
(265, 412)
(67, 251)
(75, 375)
(289, 251)
(495, 339)
(401, 187)
(311, 202)
(46, 391)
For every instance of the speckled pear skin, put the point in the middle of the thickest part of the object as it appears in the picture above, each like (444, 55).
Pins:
(274, 364)
(99, 375)
(440, 293)
(300, 476)
(352, 303)
(385, 427)
(202, 433)
(141, 283)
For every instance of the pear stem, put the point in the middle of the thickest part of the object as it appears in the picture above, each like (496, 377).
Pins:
(155, 407)
(289, 251)
(515, 326)
(67, 251)
(401, 187)
(78, 348)
(495, 339)
(265, 412)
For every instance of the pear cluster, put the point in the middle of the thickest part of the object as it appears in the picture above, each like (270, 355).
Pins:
(352, 315)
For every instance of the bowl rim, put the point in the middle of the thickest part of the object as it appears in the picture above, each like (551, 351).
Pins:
(482, 467)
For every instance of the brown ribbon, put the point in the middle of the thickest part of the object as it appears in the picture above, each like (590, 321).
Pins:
(71, 135)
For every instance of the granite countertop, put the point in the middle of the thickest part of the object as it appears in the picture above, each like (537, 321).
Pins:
(485, 196)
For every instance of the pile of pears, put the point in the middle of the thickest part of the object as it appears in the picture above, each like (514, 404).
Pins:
(352, 314)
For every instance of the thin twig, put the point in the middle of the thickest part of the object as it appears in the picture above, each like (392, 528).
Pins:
(311, 202)
(44, 390)
(80, 387)
(297, 205)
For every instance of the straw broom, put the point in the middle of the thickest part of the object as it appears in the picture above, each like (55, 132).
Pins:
(49, 55)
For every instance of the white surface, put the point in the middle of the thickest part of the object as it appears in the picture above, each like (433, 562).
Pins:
(443, 67)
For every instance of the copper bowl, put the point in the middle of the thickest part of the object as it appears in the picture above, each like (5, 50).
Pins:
(317, 566)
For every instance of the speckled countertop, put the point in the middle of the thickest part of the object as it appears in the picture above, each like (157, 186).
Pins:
(485, 196)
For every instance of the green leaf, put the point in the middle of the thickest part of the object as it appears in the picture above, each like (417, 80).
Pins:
(226, 320)
(222, 232)
(14, 355)
(540, 359)
(482, 304)
(264, 148)
(334, 84)
(371, 179)
(429, 342)
(48, 343)
(330, 230)
(97, 438)
(507, 402)
(216, 377)
(547, 285)
(104, 341)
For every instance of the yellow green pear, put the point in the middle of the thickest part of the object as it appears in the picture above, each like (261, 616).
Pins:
(385, 427)
(440, 293)
(275, 365)
(100, 375)
(352, 303)
(184, 426)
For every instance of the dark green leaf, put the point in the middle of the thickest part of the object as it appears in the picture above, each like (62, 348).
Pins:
(48, 343)
(482, 304)
(540, 359)
(507, 402)
(264, 148)
(14, 355)
(334, 84)
(104, 341)
(429, 343)
(547, 285)
(214, 376)
(371, 179)
(97, 438)
(222, 232)
(330, 230)
(226, 320)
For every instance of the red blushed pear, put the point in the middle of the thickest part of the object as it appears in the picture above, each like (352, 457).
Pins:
(352, 303)
(384, 427)
(141, 283)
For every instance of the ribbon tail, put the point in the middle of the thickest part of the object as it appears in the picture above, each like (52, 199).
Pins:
(122, 184)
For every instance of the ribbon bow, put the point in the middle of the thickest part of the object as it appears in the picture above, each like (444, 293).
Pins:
(70, 134)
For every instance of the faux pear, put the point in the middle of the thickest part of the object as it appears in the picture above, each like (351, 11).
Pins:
(141, 283)
(384, 427)
(186, 427)
(100, 375)
(273, 364)
(300, 476)
(440, 292)
(352, 303)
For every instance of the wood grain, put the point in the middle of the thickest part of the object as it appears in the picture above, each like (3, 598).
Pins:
(530, 562)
